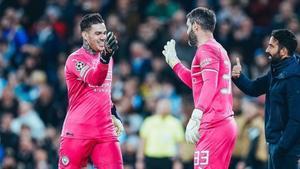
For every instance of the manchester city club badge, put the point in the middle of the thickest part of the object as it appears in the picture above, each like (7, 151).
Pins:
(65, 160)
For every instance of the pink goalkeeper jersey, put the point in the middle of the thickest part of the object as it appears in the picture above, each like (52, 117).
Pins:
(210, 80)
(89, 88)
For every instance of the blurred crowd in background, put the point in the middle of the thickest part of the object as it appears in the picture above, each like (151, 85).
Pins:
(36, 37)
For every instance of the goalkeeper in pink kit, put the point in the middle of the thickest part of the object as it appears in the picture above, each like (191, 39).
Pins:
(90, 130)
(211, 126)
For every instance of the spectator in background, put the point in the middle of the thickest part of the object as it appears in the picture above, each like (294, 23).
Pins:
(26, 150)
(16, 36)
(257, 155)
(162, 9)
(177, 29)
(244, 35)
(9, 162)
(285, 13)
(29, 117)
(45, 48)
(9, 140)
(45, 106)
(8, 102)
(41, 159)
(242, 143)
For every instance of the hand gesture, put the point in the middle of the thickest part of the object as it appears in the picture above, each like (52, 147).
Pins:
(111, 45)
(237, 69)
(170, 53)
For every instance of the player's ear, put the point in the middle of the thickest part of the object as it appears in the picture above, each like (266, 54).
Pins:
(84, 35)
(284, 51)
(195, 26)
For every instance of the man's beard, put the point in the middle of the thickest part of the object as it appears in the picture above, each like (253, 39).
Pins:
(192, 39)
(275, 58)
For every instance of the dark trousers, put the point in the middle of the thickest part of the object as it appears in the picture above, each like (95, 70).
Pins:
(158, 163)
(286, 161)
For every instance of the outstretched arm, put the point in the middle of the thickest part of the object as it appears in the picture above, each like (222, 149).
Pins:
(171, 58)
(183, 73)
(252, 88)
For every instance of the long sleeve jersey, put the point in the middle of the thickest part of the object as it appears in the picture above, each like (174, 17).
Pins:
(89, 93)
(210, 80)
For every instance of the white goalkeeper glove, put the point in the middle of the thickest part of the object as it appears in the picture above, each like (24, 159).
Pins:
(170, 53)
(192, 129)
(118, 125)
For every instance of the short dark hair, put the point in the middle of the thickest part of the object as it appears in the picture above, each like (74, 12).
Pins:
(205, 17)
(286, 39)
(90, 19)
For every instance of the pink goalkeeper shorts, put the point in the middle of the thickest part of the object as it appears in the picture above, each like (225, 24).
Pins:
(215, 146)
(75, 153)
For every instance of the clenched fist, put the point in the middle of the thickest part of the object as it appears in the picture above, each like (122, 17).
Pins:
(237, 69)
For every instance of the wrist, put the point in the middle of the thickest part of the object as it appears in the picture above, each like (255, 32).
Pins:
(174, 62)
(105, 58)
(197, 114)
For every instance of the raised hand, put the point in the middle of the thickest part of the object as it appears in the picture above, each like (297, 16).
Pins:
(237, 69)
(111, 45)
(170, 53)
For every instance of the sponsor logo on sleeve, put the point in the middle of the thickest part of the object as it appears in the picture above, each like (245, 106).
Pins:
(205, 62)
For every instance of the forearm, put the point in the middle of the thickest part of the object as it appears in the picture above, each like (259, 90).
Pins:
(208, 90)
(96, 76)
(183, 73)
(251, 88)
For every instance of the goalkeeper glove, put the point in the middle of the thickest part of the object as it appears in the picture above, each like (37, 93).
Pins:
(116, 121)
(192, 129)
(170, 53)
(118, 125)
(111, 45)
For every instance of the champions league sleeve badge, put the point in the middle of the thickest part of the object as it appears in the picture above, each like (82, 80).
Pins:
(79, 65)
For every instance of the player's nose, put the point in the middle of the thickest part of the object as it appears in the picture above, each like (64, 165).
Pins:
(267, 50)
(102, 38)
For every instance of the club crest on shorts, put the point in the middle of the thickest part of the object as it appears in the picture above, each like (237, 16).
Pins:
(79, 66)
(65, 160)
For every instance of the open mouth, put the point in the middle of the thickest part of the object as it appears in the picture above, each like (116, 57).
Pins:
(269, 56)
